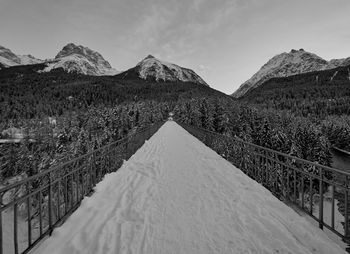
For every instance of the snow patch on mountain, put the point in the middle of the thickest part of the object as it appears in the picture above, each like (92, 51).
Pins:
(153, 68)
(334, 63)
(82, 60)
(287, 64)
(29, 59)
(8, 58)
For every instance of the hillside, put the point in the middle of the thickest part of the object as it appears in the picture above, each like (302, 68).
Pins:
(321, 97)
(319, 93)
(288, 64)
(28, 94)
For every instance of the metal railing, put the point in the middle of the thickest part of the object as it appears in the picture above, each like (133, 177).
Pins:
(321, 191)
(30, 209)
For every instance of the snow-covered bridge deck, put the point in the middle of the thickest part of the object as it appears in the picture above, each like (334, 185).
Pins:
(175, 195)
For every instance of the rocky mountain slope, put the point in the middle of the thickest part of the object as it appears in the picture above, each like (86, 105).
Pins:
(8, 58)
(152, 68)
(82, 60)
(287, 64)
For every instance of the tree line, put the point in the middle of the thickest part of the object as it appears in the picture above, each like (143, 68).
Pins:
(322, 97)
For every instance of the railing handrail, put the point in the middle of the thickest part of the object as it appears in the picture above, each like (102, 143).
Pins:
(289, 178)
(61, 188)
(28, 179)
(270, 150)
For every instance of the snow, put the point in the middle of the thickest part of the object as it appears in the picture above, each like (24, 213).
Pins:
(8, 58)
(287, 64)
(23, 60)
(80, 59)
(327, 208)
(85, 61)
(175, 195)
(7, 62)
(334, 63)
(80, 64)
(161, 70)
(28, 59)
(22, 232)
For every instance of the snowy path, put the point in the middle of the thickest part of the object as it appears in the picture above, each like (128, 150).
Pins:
(175, 195)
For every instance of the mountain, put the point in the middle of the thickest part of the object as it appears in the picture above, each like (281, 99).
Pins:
(287, 64)
(319, 93)
(334, 63)
(152, 68)
(8, 58)
(82, 60)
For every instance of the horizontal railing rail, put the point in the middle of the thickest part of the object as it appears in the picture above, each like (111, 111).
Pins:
(31, 208)
(321, 191)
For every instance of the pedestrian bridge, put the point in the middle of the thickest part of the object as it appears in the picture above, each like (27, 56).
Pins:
(174, 195)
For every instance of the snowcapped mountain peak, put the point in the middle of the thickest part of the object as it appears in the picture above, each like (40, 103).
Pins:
(82, 60)
(151, 68)
(71, 49)
(72, 58)
(293, 51)
(149, 57)
(287, 64)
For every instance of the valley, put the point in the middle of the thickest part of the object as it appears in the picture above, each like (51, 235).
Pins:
(58, 114)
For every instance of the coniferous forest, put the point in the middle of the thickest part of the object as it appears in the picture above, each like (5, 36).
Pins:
(323, 97)
(293, 115)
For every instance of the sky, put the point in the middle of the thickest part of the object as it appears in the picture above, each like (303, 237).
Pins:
(224, 41)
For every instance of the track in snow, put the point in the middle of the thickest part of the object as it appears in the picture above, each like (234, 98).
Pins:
(175, 195)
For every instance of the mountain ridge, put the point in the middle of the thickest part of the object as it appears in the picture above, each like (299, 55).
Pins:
(288, 64)
(151, 68)
(81, 60)
(71, 58)
(8, 58)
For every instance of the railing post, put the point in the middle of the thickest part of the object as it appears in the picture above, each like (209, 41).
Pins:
(15, 235)
(288, 183)
(66, 194)
(82, 182)
(346, 215)
(126, 148)
(58, 217)
(302, 191)
(50, 203)
(1, 233)
(81, 173)
(333, 204)
(28, 213)
(321, 199)
(295, 186)
(40, 215)
(94, 169)
(90, 172)
(311, 195)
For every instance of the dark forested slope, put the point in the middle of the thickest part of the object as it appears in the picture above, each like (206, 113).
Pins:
(322, 96)
(69, 114)
(318, 93)
(26, 94)
(93, 111)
